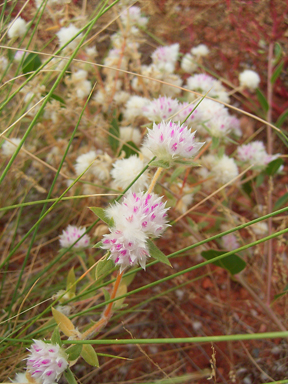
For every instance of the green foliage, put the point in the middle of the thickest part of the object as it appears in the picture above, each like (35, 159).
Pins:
(100, 212)
(74, 351)
(89, 355)
(71, 282)
(233, 263)
(273, 166)
(277, 72)
(70, 376)
(157, 254)
(130, 148)
(55, 338)
(160, 163)
(31, 62)
(103, 268)
(114, 135)
(262, 100)
(281, 201)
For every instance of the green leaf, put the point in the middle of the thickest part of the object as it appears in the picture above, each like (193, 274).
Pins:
(157, 254)
(89, 355)
(55, 338)
(221, 151)
(273, 166)
(177, 172)
(282, 293)
(202, 225)
(160, 163)
(98, 245)
(277, 72)
(247, 187)
(130, 149)
(215, 142)
(281, 201)
(103, 268)
(69, 375)
(100, 212)
(128, 279)
(281, 119)
(31, 63)
(114, 134)
(70, 281)
(106, 294)
(277, 53)
(74, 351)
(233, 263)
(262, 100)
(190, 163)
(58, 98)
(259, 179)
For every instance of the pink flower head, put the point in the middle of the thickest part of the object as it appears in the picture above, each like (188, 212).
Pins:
(161, 109)
(171, 142)
(71, 234)
(46, 362)
(255, 153)
(137, 218)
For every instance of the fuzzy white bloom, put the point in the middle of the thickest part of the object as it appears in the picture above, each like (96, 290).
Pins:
(255, 154)
(230, 242)
(91, 52)
(21, 378)
(133, 16)
(171, 141)
(3, 63)
(83, 162)
(130, 134)
(17, 28)
(225, 170)
(134, 107)
(184, 110)
(161, 109)
(200, 50)
(18, 55)
(188, 63)
(137, 218)
(81, 84)
(121, 97)
(215, 117)
(8, 148)
(203, 83)
(46, 362)
(168, 89)
(71, 234)
(101, 167)
(249, 79)
(165, 58)
(66, 34)
(260, 228)
(125, 171)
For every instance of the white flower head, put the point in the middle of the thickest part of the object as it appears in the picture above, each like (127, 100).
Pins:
(130, 134)
(225, 170)
(83, 162)
(133, 16)
(66, 34)
(201, 50)
(230, 242)
(255, 154)
(166, 57)
(188, 63)
(73, 233)
(8, 148)
(17, 28)
(249, 79)
(134, 107)
(161, 109)
(260, 228)
(137, 218)
(203, 83)
(46, 362)
(171, 142)
(126, 170)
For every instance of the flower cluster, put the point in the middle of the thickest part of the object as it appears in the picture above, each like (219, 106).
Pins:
(255, 154)
(71, 234)
(138, 217)
(46, 362)
(171, 142)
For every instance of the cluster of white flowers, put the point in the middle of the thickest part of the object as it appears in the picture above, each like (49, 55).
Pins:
(8, 148)
(17, 28)
(65, 34)
(132, 16)
(189, 62)
(137, 218)
(170, 142)
(130, 134)
(46, 362)
(203, 83)
(101, 163)
(255, 154)
(81, 84)
(160, 109)
(249, 79)
(73, 233)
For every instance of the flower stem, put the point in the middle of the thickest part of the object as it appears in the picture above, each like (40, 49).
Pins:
(155, 178)
(106, 314)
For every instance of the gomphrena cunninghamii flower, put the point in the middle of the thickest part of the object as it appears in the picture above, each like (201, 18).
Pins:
(138, 217)
(46, 362)
(171, 142)
(71, 234)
